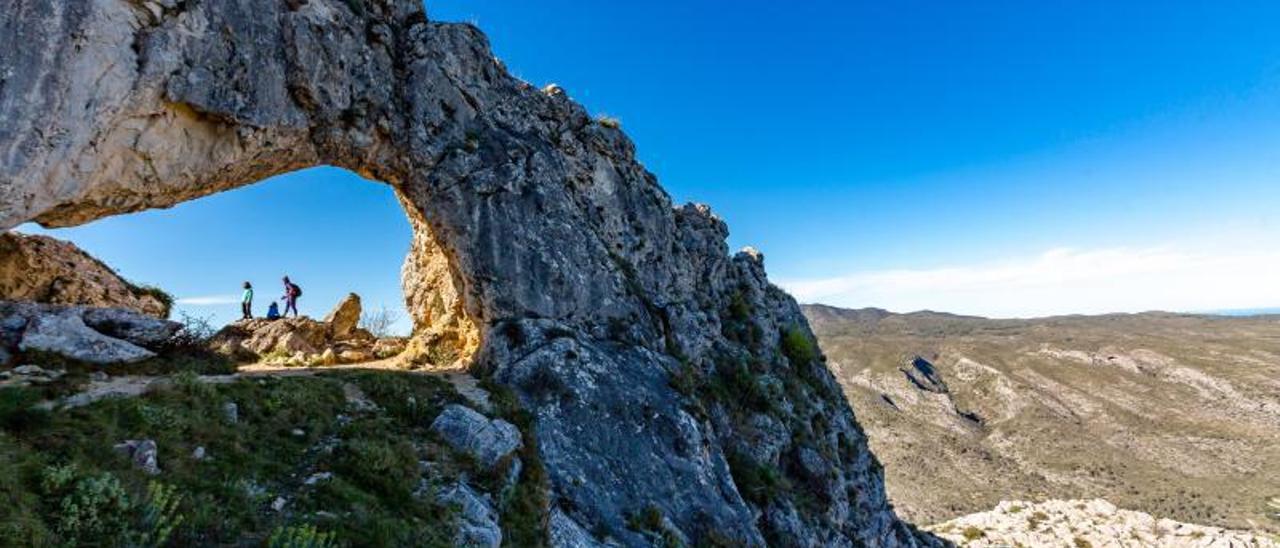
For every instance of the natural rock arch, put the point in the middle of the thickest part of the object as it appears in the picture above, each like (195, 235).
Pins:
(119, 106)
(550, 251)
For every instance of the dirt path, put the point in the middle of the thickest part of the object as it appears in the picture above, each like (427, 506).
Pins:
(128, 386)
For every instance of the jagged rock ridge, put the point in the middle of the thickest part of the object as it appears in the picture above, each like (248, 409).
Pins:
(541, 247)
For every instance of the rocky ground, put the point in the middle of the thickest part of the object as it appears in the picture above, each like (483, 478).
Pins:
(1176, 416)
(1084, 524)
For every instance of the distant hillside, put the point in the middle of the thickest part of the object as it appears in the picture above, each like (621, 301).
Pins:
(1174, 415)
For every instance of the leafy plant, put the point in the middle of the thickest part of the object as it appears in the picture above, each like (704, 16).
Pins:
(90, 510)
(158, 515)
(609, 121)
(798, 347)
(300, 536)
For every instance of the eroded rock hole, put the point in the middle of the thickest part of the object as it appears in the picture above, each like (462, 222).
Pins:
(376, 284)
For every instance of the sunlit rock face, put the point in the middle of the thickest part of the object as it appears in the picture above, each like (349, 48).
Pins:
(542, 249)
(42, 269)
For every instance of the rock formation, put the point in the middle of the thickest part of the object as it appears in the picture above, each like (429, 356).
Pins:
(93, 335)
(42, 269)
(664, 376)
(344, 318)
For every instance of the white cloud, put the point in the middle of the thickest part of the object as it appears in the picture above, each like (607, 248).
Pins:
(209, 300)
(1064, 281)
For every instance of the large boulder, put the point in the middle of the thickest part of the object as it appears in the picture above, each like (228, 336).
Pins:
(259, 337)
(91, 335)
(130, 326)
(477, 519)
(344, 318)
(486, 440)
(42, 269)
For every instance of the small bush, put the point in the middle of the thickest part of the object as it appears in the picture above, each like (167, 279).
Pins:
(300, 536)
(159, 294)
(90, 510)
(798, 347)
(649, 519)
(17, 411)
(380, 322)
(386, 468)
(757, 483)
(609, 122)
(973, 533)
(1081, 543)
(686, 379)
(158, 515)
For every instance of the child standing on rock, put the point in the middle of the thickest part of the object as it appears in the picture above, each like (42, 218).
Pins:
(246, 304)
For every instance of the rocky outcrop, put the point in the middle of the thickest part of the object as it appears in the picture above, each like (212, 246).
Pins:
(91, 335)
(46, 270)
(478, 521)
(344, 319)
(142, 453)
(543, 252)
(304, 341)
(485, 440)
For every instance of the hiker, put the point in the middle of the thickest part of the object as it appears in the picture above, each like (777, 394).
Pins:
(246, 304)
(273, 311)
(291, 294)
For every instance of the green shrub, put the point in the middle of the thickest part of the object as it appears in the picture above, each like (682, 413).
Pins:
(88, 510)
(686, 379)
(649, 519)
(973, 533)
(525, 511)
(756, 482)
(17, 412)
(1081, 543)
(158, 515)
(609, 121)
(300, 536)
(386, 468)
(798, 347)
(159, 294)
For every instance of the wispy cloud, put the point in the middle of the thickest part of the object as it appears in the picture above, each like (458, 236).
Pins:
(1064, 281)
(209, 300)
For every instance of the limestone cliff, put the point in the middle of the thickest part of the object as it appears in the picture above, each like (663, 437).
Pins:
(667, 379)
(42, 269)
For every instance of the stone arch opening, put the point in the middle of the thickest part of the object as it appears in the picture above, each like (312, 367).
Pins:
(273, 227)
(522, 206)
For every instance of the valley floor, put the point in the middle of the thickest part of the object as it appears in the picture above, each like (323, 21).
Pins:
(1173, 415)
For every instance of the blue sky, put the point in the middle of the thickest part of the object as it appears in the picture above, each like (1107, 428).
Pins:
(997, 158)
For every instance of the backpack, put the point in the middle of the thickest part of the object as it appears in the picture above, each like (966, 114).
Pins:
(297, 291)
